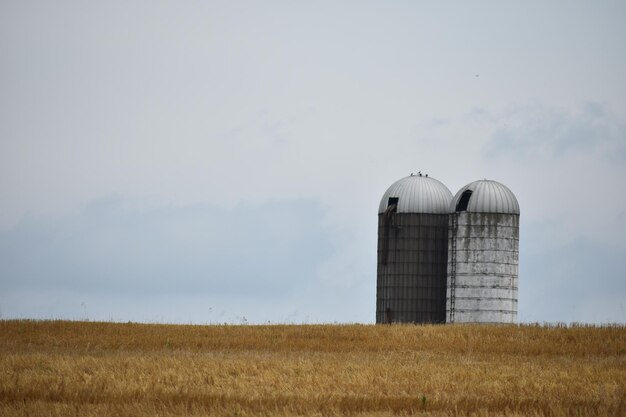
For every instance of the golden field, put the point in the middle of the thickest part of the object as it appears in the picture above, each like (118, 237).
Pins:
(60, 368)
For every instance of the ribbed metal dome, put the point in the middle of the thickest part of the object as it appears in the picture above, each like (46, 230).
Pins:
(418, 194)
(485, 196)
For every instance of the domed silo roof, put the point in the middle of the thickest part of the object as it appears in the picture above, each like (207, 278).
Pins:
(485, 196)
(418, 194)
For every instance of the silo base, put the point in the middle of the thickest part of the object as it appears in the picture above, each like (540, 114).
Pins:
(484, 317)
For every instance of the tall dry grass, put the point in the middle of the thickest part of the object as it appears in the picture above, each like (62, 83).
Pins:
(57, 368)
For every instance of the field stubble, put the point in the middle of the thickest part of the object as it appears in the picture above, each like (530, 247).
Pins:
(59, 368)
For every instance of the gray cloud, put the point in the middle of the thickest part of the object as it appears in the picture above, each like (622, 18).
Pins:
(268, 250)
(580, 280)
(536, 131)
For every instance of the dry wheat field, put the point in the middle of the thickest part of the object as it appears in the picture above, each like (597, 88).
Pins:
(61, 368)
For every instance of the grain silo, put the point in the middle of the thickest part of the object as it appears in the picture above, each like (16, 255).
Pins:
(483, 253)
(412, 251)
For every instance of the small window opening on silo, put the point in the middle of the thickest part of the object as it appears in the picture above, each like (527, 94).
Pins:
(392, 206)
(464, 201)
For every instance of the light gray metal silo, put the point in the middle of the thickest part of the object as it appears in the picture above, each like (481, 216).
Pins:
(483, 254)
(412, 251)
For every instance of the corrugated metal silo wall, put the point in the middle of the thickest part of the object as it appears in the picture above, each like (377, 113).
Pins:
(482, 268)
(411, 275)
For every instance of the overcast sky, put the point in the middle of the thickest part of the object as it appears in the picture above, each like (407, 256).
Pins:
(205, 162)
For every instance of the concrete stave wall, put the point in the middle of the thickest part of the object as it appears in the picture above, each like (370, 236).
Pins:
(483, 260)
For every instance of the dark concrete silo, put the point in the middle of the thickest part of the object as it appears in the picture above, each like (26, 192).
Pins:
(483, 254)
(413, 251)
